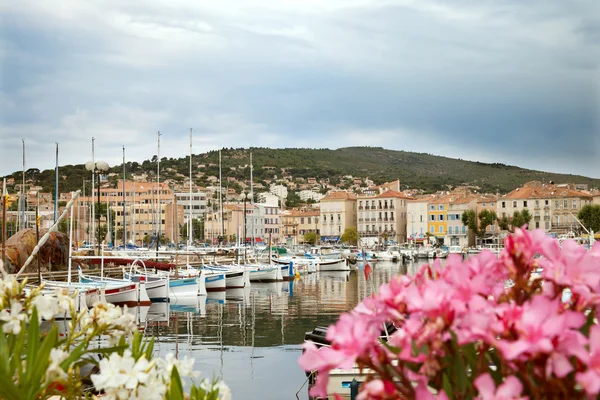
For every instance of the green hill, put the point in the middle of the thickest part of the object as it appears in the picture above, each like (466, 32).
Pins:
(415, 170)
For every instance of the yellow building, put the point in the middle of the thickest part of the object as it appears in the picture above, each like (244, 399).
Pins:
(437, 217)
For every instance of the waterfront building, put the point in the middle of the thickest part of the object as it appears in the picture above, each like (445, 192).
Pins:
(457, 234)
(382, 217)
(296, 223)
(488, 203)
(198, 203)
(149, 209)
(267, 198)
(417, 218)
(437, 213)
(553, 207)
(338, 212)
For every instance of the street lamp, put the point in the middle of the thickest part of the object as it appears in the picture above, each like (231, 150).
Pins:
(97, 168)
(244, 197)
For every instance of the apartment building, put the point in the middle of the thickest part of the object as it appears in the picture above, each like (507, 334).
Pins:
(194, 205)
(338, 212)
(149, 208)
(417, 218)
(488, 203)
(553, 207)
(296, 223)
(437, 221)
(382, 217)
(457, 234)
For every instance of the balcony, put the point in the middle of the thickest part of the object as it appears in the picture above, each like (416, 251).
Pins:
(385, 219)
(360, 207)
(372, 219)
(360, 220)
(547, 218)
(391, 206)
(367, 208)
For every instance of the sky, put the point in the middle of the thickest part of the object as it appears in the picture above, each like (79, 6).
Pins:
(516, 82)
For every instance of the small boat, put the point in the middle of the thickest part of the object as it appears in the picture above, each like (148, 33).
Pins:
(183, 287)
(333, 265)
(235, 277)
(263, 273)
(118, 291)
(215, 281)
(157, 287)
(93, 293)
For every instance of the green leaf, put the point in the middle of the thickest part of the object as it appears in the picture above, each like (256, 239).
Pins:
(460, 370)
(8, 389)
(447, 386)
(175, 391)
(43, 355)
(585, 329)
(149, 349)
(393, 349)
(33, 342)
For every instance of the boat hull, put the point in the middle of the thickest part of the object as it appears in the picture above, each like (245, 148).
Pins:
(335, 265)
(215, 282)
(264, 275)
(186, 287)
(123, 295)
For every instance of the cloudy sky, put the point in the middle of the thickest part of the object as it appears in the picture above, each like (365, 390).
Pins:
(497, 81)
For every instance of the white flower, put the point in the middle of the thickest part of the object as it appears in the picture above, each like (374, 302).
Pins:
(184, 367)
(224, 391)
(64, 299)
(47, 306)
(13, 318)
(54, 371)
(118, 372)
(115, 321)
(154, 389)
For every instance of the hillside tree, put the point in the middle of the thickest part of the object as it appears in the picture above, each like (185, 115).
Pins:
(589, 215)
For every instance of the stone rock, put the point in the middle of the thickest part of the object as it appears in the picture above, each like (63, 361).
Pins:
(54, 254)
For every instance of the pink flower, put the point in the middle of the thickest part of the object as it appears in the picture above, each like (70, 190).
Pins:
(422, 393)
(539, 324)
(590, 379)
(377, 390)
(574, 267)
(510, 389)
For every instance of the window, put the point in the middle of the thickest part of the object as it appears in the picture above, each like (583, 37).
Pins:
(574, 204)
(309, 220)
(556, 204)
(339, 217)
(421, 219)
(537, 203)
(440, 207)
(432, 229)
(432, 207)
(514, 203)
(302, 220)
(441, 217)
(482, 204)
(464, 230)
(524, 203)
(491, 204)
(565, 204)
(449, 230)
(546, 202)
(503, 204)
(432, 217)
(441, 229)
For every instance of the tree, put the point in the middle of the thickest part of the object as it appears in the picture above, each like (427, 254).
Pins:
(350, 236)
(521, 218)
(469, 219)
(518, 219)
(311, 237)
(197, 230)
(589, 215)
(486, 218)
(63, 225)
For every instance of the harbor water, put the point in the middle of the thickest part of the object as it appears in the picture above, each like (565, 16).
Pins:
(252, 337)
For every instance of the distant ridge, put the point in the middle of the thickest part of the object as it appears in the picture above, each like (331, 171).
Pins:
(415, 170)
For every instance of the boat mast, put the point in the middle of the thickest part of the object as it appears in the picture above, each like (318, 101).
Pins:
(56, 184)
(4, 199)
(93, 215)
(189, 221)
(159, 219)
(124, 201)
(221, 227)
(22, 199)
(251, 202)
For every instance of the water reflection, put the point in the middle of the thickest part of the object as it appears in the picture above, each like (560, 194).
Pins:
(251, 337)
